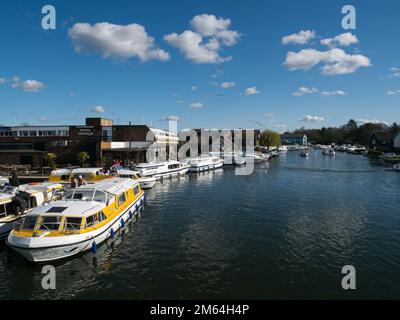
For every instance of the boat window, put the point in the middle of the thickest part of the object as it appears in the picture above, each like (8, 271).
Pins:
(3, 211)
(136, 190)
(121, 199)
(102, 216)
(100, 196)
(8, 190)
(65, 177)
(139, 175)
(90, 222)
(50, 223)
(72, 223)
(29, 222)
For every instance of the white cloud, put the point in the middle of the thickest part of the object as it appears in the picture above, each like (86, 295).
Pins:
(98, 109)
(194, 88)
(204, 43)
(309, 118)
(333, 93)
(336, 61)
(395, 72)
(251, 91)
(196, 105)
(117, 41)
(301, 37)
(280, 126)
(27, 85)
(304, 90)
(375, 121)
(226, 85)
(392, 93)
(344, 40)
(2, 80)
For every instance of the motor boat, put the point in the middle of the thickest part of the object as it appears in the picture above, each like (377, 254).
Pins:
(16, 202)
(329, 152)
(282, 149)
(163, 169)
(83, 219)
(202, 164)
(145, 182)
(90, 175)
(3, 181)
(396, 167)
(304, 153)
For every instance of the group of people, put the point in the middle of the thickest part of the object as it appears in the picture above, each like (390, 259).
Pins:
(77, 182)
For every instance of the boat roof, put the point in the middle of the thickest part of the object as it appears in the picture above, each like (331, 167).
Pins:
(86, 170)
(60, 172)
(40, 187)
(112, 186)
(156, 164)
(127, 172)
(74, 208)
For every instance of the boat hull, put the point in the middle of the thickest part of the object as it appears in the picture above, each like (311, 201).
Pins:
(6, 227)
(206, 167)
(56, 248)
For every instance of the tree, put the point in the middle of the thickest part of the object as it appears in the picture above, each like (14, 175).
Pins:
(82, 157)
(50, 160)
(270, 138)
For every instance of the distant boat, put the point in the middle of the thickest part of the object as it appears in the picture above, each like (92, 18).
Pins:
(304, 153)
(283, 149)
(163, 169)
(329, 152)
(202, 164)
(396, 167)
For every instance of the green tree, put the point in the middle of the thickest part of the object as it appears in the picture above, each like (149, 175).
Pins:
(50, 160)
(270, 138)
(82, 157)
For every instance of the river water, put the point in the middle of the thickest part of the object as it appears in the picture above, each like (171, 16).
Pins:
(284, 232)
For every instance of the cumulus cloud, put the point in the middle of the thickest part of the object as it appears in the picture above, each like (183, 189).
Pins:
(302, 37)
(392, 92)
(375, 121)
(306, 90)
(2, 80)
(251, 91)
(98, 109)
(310, 118)
(336, 61)
(117, 41)
(395, 72)
(27, 85)
(204, 42)
(344, 40)
(226, 85)
(196, 105)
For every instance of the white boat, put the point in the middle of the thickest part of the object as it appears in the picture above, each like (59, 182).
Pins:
(329, 152)
(304, 153)
(233, 158)
(15, 202)
(82, 220)
(163, 169)
(202, 164)
(145, 182)
(3, 181)
(396, 167)
(283, 149)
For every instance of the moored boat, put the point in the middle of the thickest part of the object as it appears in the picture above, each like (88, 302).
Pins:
(16, 202)
(82, 220)
(145, 182)
(3, 181)
(202, 164)
(396, 167)
(163, 169)
(304, 153)
(90, 175)
(329, 152)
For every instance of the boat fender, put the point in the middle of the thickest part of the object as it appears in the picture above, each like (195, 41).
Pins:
(112, 233)
(130, 215)
(122, 223)
(144, 198)
(137, 207)
(94, 247)
(141, 202)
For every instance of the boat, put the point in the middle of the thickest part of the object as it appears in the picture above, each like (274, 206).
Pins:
(90, 175)
(83, 219)
(163, 169)
(145, 182)
(396, 167)
(256, 157)
(282, 149)
(3, 181)
(16, 202)
(202, 164)
(304, 153)
(329, 152)
(233, 158)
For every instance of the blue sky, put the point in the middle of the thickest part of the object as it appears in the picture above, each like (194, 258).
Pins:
(84, 69)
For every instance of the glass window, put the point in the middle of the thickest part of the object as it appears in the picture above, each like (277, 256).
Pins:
(3, 211)
(90, 221)
(72, 223)
(29, 222)
(50, 223)
(102, 216)
(121, 199)
(136, 190)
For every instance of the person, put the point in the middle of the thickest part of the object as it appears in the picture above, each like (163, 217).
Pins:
(81, 181)
(73, 182)
(14, 179)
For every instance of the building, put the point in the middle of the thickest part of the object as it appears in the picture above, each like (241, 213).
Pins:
(381, 140)
(291, 139)
(99, 137)
(222, 139)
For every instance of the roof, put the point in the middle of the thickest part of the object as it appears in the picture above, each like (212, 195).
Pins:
(61, 172)
(383, 135)
(86, 170)
(112, 186)
(293, 135)
(40, 187)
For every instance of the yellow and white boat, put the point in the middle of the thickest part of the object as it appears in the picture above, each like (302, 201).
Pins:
(90, 175)
(15, 202)
(83, 219)
(145, 182)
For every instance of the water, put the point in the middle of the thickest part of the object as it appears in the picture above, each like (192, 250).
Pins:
(284, 232)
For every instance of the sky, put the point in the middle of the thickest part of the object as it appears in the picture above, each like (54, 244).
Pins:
(212, 64)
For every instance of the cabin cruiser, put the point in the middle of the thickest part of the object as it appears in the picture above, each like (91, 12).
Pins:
(81, 220)
(230, 158)
(282, 149)
(329, 152)
(15, 202)
(256, 157)
(202, 164)
(163, 169)
(90, 175)
(3, 181)
(145, 182)
(396, 167)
